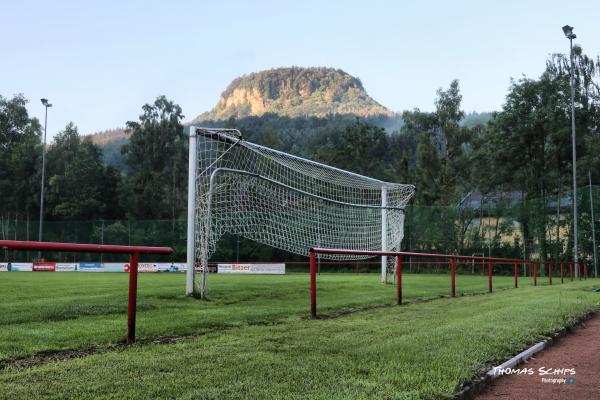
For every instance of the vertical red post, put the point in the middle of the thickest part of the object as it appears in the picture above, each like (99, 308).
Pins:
(584, 270)
(490, 276)
(453, 274)
(571, 270)
(550, 273)
(132, 300)
(579, 269)
(399, 279)
(313, 284)
(516, 274)
(562, 279)
(535, 273)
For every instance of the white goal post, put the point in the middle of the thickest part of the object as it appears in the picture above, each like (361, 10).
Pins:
(283, 201)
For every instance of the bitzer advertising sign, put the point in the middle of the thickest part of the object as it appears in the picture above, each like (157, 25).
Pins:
(249, 268)
(44, 267)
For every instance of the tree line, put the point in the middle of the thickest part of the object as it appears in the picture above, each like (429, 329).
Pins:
(523, 148)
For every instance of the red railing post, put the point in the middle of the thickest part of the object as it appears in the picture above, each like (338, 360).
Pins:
(562, 280)
(579, 269)
(550, 273)
(516, 274)
(453, 273)
(584, 270)
(571, 270)
(535, 264)
(490, 276)
(399, 279)
(132, 300)
(313, 284)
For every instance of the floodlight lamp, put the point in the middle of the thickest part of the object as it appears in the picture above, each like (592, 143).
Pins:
(568, 31)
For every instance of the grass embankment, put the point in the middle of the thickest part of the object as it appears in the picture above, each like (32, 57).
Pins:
(47, 312)
(423, 350)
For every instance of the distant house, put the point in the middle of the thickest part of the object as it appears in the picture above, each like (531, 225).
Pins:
(476, 200)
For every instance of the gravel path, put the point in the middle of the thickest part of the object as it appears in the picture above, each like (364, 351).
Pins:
(545, 378)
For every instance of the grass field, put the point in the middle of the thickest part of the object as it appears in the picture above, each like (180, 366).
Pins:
(252, 339)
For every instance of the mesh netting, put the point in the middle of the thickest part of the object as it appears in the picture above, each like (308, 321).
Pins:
(288, 202)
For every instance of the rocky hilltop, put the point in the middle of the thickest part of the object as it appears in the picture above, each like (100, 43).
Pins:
(294, 92)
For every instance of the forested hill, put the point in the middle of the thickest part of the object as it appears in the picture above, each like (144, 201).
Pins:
(294, 92)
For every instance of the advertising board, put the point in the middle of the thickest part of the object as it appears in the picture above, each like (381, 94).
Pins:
(90, 267)
(21, 267)
(44, 267)
(251, 268)
(66, 267)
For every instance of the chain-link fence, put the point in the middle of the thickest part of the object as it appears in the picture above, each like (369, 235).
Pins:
(498, 225)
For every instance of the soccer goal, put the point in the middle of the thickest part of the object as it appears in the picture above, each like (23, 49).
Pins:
(283, 201)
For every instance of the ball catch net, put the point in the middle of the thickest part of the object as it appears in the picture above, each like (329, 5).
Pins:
(285, 201)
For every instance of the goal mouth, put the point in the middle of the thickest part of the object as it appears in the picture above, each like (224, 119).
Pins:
(284, 201)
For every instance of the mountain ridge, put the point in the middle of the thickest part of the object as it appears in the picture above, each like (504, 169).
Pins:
(294, 92)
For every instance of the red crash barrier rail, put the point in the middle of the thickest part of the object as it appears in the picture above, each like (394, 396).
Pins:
(133, 251)
(452, 262)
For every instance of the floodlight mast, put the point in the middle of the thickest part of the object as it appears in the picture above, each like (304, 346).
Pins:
(568, 31)
(46, 105)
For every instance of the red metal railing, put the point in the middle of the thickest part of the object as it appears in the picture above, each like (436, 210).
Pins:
(452, 263)
(133, 251)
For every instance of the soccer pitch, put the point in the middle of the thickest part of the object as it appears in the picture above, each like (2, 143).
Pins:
(252, 338)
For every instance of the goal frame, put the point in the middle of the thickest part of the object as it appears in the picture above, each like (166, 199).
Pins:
(193, 176)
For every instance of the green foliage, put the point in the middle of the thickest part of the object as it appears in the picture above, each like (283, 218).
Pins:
(20, 161)
(157, 160)
(80, 186)
(449, 155)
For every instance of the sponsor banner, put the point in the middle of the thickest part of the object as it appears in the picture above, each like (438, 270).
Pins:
(4, 267)
(180, 267)
(144, 267)
(66, 267)
(166, 267)
(248, 268)
(21, 267)
(114, 267)
(44, 267)
(90, 267)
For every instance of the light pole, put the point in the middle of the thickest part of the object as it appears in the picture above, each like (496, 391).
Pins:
(46, 105)
(593, 227)
(568, 31)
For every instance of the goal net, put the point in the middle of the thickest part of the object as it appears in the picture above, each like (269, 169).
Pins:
(283, 201)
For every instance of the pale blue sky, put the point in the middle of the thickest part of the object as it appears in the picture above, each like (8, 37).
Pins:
(99, 61)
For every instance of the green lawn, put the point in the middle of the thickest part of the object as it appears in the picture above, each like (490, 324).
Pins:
(422, 350)
(45, 312)
(252, 339)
